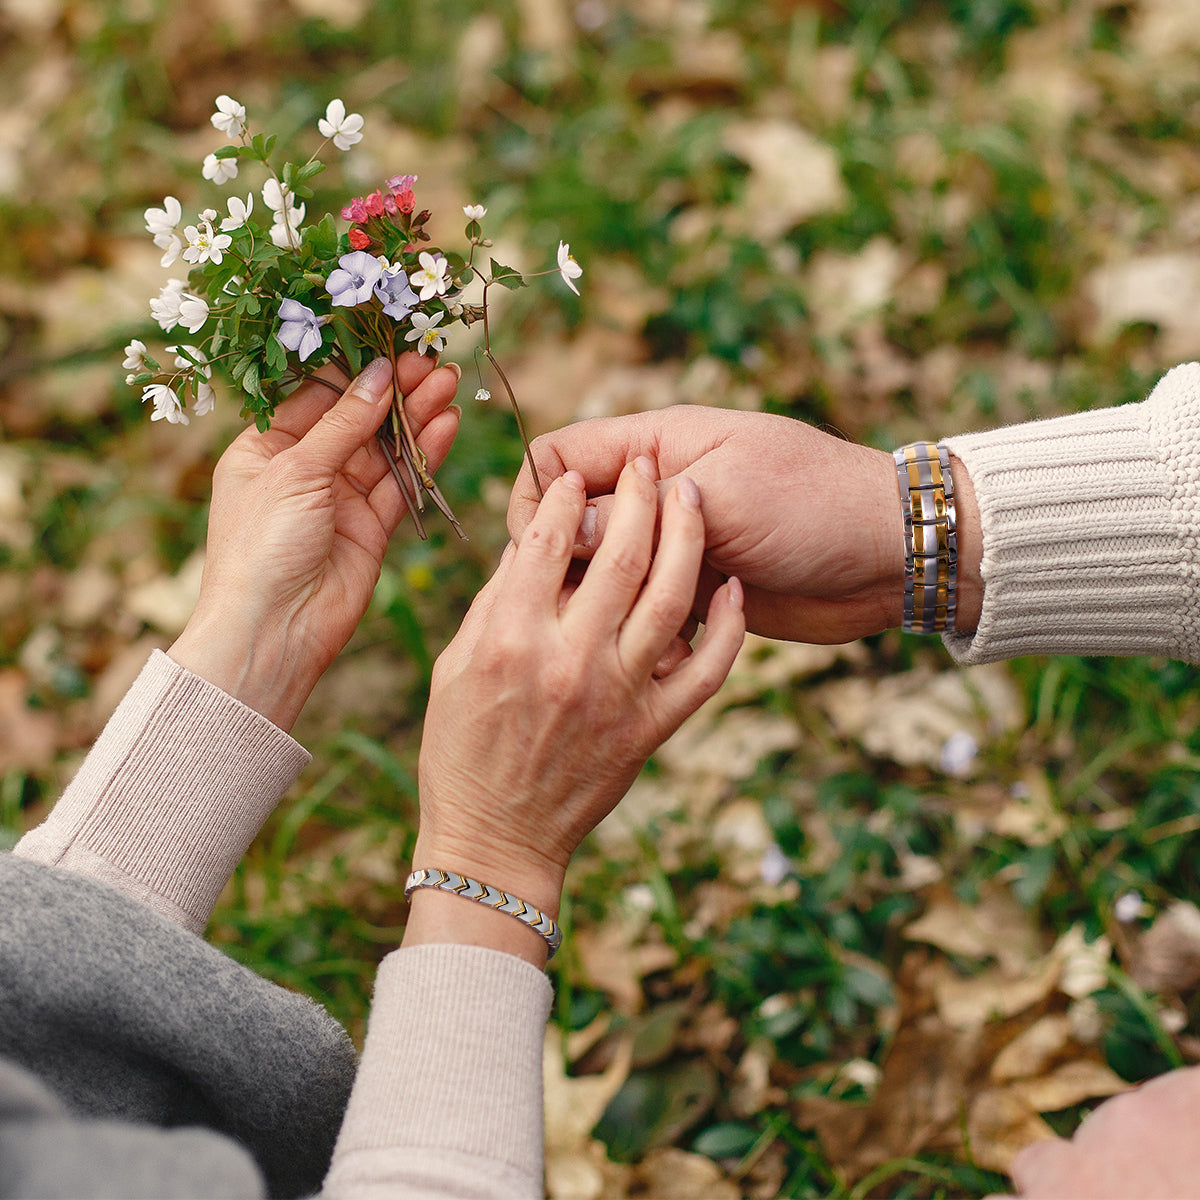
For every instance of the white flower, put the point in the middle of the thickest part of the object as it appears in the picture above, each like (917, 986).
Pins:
(208, 214)
(162, 223)
(424, 333)
(230, 117)
(483, 395)
(239, 212)
(203, 245)
(219, 170)
(164, 307)
(206, 398)
(288, 214)
(431, 278)
(197, 362)
(135, 356)
(344, 129)
(166, 404)
(193, 312)
(568, 268)
(1128, 907)
(474, 212)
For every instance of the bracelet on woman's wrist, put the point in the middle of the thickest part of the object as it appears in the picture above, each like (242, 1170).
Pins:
(483, 893)
(930, 536)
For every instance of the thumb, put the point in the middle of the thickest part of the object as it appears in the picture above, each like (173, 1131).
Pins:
(352, 421)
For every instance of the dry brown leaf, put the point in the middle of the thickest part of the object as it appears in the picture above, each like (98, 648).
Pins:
(611, 963)
(1167, 955)
(1000, 1125)
(28, 738)
(1163, 289)
(669, 1173)
(1034, 1049)
(1072, 1083)
(577, 1167)
(793, 176)
(910, 718)
(995, 926)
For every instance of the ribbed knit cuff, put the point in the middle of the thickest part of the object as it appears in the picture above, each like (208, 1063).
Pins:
(1090, 527)
(452, 1068)
(171, 795)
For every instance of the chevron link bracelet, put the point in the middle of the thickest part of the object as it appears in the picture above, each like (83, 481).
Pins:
(483, 893)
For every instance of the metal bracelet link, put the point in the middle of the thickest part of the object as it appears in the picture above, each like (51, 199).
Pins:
(930, 536)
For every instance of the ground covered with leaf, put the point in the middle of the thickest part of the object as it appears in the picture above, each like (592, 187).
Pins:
(869, 923)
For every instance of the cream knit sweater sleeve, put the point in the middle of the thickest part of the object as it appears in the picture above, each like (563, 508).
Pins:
(171, 795)
(1091, 530)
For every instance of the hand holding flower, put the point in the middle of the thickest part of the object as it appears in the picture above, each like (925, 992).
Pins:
(276, 608)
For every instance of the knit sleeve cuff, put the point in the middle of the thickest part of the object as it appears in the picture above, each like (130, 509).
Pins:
(1089, 526)
(451, 1069)
(171, 795)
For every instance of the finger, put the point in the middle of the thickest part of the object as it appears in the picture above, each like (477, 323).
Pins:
(670, 659)
(666, 600)
(598, 449)
(701, 676)
(309, 402)
(352, 421)
(429, 395)
(434, 441)
(543, 555)
(1042, 1167)
(618, 569)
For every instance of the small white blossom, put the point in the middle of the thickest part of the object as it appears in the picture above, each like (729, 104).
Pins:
(167, 406)
(431, 278)
(164, 307)
(474, 212)
(206, 398)
(288, 214)
(135, 356)
(219, 170)
(239, 212)
(208, 214)
(162, 223)
(483, 395)
(424, 333)
(1128, 907)
(230, 117)
(345, 129)
(568, 268)
(203, 245)
(193, 312)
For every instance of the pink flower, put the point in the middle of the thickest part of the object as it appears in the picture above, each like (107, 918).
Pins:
(359, 240)
(389, 204)
(374, 203)
(402, 183)
(355, 211)
(406, 201)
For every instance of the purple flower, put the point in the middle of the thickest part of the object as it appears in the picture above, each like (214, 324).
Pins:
(353, 279)
(402, 183)
(396, 294)
(301, 328)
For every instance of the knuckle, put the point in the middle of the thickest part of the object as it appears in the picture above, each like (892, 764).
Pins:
(627, 564)
(547, 543)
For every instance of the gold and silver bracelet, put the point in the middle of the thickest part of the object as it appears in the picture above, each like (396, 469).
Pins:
(483, 893)
(930, 536)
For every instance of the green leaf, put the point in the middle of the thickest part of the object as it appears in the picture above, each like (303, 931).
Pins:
(249, 379)
(506, 276)
(322, 238)
(354, 352)
(309, 170)
(227, 151)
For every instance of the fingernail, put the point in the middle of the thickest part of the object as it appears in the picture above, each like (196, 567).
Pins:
(737, 597)
(573, 479)
(644, 467)
(374, 380)
(455, 368)
(587, 526)
(689, 493)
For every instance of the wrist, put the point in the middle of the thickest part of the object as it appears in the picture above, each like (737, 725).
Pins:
(254, 669)
(437, 917)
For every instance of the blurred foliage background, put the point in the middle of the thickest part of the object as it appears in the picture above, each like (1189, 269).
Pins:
(869, 923)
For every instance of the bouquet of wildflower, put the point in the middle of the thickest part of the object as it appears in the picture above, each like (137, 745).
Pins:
(267, 302)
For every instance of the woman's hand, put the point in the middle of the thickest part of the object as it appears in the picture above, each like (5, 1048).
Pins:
(300, 519)
(542, 712)
(1140, 1145)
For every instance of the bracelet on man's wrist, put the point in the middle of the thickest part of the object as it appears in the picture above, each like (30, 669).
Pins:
(483, 893)
(930, 536)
